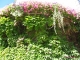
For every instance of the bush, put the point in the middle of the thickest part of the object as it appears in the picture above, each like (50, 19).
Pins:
(38, 31)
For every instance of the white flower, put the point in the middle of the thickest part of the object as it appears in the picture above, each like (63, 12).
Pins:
(78, 15)
(1, 13)
(17, 13)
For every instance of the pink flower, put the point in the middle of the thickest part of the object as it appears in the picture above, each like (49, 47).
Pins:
(69, 11)
(74, 12)
(30, 10)
(24, 8)
(35, 6)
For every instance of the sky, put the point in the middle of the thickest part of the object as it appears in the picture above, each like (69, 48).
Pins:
(3, 3)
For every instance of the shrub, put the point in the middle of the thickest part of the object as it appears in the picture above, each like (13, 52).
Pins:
(38, 31)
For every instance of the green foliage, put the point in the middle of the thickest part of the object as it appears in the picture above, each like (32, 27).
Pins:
(13, 54)
(6, 31)
(34, 22)
(55, 49)
(33, 27)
